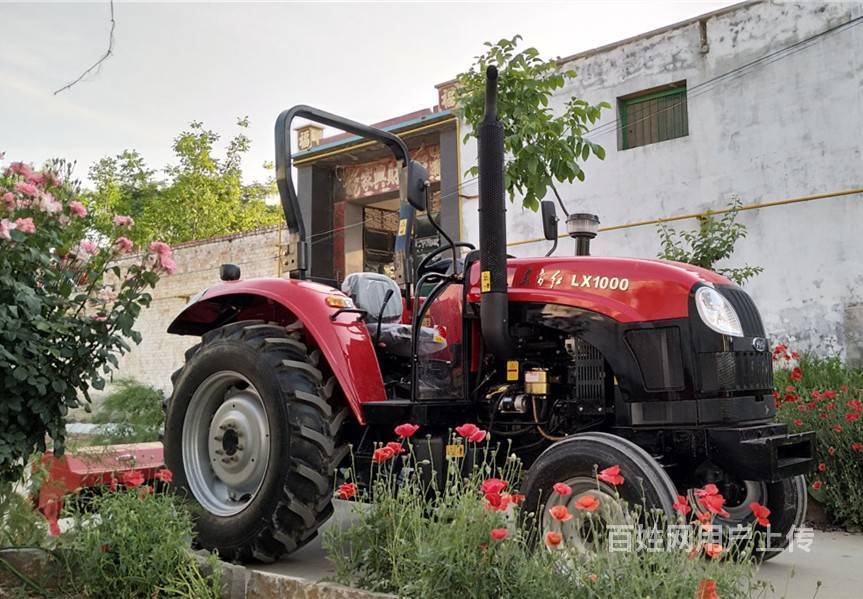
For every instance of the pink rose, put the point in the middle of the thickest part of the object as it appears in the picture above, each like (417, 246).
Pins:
(124, 221)
(78, 209)
(124, 244)
(25, 225)
(168, 264)
(9, 199)
(36, 179)
(28, 189)
(161, 248)
(48, 204)
(88, 246)
(6, 227)
(19, 168)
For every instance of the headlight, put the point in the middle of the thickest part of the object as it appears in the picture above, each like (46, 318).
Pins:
(717, 312)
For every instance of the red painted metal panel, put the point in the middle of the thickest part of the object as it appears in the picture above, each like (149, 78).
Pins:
(93, 467)
(625, 289)
(344, 342)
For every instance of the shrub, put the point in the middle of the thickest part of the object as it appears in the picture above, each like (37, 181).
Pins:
(713, 241)
(65, 310)
(133, 542)
(20, 524)
(822, 395)
(134, 413)
(461, 541)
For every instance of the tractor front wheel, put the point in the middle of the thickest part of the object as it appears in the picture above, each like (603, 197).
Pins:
(252, 441)
(594, 504)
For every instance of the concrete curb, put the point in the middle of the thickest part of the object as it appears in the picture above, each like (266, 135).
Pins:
(239, 582)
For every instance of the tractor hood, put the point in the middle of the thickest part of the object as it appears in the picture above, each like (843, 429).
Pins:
(625, 289)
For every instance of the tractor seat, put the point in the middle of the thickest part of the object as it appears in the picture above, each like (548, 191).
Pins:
(368, 291)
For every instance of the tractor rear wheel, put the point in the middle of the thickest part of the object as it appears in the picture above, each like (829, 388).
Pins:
(575, 461)
(252, 441)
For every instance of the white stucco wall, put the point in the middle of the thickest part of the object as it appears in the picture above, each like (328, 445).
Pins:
(781, 130)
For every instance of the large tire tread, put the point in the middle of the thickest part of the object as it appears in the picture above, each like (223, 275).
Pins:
(305, 495)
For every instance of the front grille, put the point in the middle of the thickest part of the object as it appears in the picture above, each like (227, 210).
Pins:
(659, 357)
(750, 319)
(735, 371)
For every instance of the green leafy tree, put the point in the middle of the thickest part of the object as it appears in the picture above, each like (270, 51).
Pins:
(202, 196)
(541, 148)
(713, 241)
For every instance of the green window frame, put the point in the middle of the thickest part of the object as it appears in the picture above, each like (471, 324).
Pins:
(653, 116)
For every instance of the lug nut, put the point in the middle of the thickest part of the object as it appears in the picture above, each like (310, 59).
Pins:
(220, 452)
(240, 448)
(218, 438)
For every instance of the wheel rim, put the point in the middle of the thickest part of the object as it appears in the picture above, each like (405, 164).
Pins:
(587, 530)
(226, 443)
(738, 496)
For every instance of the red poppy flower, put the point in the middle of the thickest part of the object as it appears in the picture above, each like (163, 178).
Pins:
(553, 539)
(493, 485)
(760, 512)
(562, 489)
(851, 417)
(592, 577)
(346, 491)
(816, 485)
(855, 405)
(837, 428)
(822, 415)
(517, 498)
(822, 467)
(588, 503)
(709, 498)
(857, 446)
(611, 475)
(796, 373)
(497, 502)
(776, 395)
(831, 450)
(798, 422)
(816, 394)
(478, 436)
(830, 394)
(560, 513)
(682, 505)
(790, 388)
(165, 475)
(713, 550)
(382, 454)
(499, 534)
(132, 478)
(791, 398)
(706, 589)
(795, 355)
(396, 447)
(466, 430)
(829, 406)
(406, 430)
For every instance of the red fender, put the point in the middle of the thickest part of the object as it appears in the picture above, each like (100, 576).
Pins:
(344, 342)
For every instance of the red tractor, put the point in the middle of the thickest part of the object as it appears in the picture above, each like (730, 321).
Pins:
(579, 362)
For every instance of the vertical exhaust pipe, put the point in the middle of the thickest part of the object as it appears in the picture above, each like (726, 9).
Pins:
(494, 304)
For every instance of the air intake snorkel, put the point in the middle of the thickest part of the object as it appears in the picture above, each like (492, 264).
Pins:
(494, 304)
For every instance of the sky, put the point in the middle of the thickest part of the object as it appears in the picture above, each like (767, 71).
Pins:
(174, 63)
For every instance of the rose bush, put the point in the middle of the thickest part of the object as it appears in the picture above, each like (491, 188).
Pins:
(822, 395)
(460, 538)
(66, 311)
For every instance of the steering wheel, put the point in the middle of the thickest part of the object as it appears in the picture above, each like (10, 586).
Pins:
(437, 252)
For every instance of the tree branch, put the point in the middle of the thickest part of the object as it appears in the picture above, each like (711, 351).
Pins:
(99, 62)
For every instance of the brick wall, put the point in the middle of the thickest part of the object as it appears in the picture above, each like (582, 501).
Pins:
(159, 353)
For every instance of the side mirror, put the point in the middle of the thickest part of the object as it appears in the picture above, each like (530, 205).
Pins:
(549, 220)
(413, 180)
